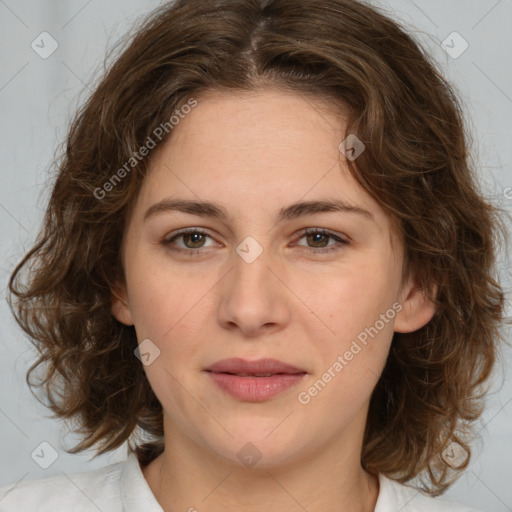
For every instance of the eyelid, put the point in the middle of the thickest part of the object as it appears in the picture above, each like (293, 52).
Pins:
(325, 231)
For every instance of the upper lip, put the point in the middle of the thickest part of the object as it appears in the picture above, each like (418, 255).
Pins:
(259, 366)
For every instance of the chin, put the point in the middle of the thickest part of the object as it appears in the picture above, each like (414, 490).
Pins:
(261, 446)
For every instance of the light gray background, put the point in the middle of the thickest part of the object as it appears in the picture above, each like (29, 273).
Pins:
(37, 99)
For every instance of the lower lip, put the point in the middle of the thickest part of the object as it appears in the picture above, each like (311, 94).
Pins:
(255, 389)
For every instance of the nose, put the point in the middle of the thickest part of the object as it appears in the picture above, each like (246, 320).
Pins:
(254, 298)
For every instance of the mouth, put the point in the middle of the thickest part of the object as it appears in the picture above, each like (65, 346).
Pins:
(254, 381)
(256, 374)
(257, 368)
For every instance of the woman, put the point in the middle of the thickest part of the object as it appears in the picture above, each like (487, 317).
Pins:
(267, 266)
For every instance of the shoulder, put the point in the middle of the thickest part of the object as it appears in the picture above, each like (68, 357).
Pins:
(85, 491)
(396, 496)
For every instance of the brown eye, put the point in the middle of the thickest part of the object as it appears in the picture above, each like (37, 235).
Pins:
(318, 240)
(188, 241)
(193, 240)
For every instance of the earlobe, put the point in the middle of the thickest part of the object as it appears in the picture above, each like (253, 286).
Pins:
(120, 307)
(417, 309)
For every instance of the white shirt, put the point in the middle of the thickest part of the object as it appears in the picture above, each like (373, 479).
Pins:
(121, 487)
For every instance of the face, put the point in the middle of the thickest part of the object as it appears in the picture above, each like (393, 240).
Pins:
(246, 281)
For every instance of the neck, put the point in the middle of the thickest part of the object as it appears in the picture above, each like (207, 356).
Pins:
(186, 476)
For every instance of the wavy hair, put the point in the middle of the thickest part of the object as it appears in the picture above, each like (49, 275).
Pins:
(416, 165)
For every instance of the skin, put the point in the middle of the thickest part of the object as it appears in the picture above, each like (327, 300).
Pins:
(254, 153)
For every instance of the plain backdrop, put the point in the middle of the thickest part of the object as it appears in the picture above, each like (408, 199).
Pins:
(37, 99)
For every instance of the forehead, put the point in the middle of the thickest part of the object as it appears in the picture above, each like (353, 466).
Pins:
(246, 139)
(255, 153)
(268, 118)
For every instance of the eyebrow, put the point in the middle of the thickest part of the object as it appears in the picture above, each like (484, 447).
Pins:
(293, 211)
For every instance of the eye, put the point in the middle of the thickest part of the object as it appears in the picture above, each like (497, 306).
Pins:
(193, 239)
(320, 237)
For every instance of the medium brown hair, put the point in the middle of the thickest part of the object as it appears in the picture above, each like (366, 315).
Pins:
(416, 165)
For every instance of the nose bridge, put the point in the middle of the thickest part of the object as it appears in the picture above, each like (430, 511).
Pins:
(251, 262)
(250, 297)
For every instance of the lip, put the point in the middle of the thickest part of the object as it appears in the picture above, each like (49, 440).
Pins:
(238, 378)
(239, 365)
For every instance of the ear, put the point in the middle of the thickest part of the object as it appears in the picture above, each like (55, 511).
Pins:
(120, 305)
(417, 309)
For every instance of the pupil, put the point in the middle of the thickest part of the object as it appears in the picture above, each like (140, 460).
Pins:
(317, 238)
(195, 238)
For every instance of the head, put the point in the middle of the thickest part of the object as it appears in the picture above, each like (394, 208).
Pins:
(255, 108)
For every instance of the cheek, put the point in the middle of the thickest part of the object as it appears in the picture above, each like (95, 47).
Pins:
(355, 299)
(358, 308)
(170, 309)
(351, 362)
(161, 295)
(152, 304)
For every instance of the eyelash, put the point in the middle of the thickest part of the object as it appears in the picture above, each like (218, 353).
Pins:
(308, 231)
